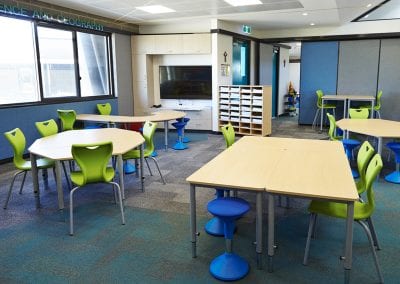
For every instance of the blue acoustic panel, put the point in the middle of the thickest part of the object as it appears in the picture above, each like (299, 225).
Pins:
(318, 70)
(24, 117)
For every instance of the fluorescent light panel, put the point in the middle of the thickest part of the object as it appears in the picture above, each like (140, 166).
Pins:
(155, 9)
(236, 3)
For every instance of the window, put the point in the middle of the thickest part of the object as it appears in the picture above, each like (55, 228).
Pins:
(70, 64)
(18, 76)
(57, 63)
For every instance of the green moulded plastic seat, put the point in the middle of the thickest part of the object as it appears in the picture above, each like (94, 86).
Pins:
(362, 212)
(92, 160)
(149, 128)
(377, 106)
(364, 156)
(67, 118)
(48, 128)
(18, 142)
(358, 113)
(332, 107)
(104, 109)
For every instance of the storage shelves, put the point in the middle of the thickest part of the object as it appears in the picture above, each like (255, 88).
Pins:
(247, 108)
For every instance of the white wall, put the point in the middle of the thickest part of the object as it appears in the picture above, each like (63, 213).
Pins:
(284, 78)
(294, 75)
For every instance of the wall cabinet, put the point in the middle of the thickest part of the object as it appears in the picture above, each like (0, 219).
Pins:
(247, 108)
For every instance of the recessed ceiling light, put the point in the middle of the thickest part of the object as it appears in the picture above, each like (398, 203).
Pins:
(236, 3)
(305, 14)
(312, 24)
(369, 5)
(155, 9)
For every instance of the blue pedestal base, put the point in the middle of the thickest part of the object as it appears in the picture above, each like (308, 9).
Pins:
(184, 140)
(355, 173)
(154, 154)
(215, 227)
(179, 146)
(229, 267)
(393, 177)
(129, 168)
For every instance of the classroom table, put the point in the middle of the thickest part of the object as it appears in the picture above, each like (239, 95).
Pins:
(347, 99)
(160, 116)
(280, 166)
(379, 128)
(58, 148)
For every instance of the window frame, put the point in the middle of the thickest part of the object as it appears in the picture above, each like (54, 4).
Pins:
(78, 97)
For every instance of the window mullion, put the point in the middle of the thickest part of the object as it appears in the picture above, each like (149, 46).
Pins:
(76, 64)
(38, 64)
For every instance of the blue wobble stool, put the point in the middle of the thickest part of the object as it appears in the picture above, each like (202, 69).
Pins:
(349, 145)
(179, 125)
(215, 226)
(228, 266)
(184, 138)
(394, 176)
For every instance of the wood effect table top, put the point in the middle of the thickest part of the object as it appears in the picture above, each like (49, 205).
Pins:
(373, 127)
(58, 146)
(297, 167)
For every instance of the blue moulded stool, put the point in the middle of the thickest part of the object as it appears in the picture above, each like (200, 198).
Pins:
(184, 138)
(215, 226)
(179, 125)
(349, 146)
(228, 266)
(394, 176)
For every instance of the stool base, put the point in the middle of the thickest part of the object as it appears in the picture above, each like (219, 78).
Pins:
(215, 227)
(229, 267)
(154, 154)
(179, 146)
(393, 177)
(355, 173)
(129, 168)
(184, 140)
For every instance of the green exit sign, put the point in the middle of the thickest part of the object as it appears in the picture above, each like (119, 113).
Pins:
(246, 29)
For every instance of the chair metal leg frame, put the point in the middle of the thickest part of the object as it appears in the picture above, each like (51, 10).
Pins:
(315, 117)
(313, 218)
(158, 168)
(379, 113)
(11, 186)
(71, 206)
(368, 232)
(23, 182)
(147, 163)
(373, 233)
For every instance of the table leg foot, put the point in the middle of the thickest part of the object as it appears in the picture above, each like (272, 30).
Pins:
(270, 264)
(259, 261)
(194, 250)
(347, 276)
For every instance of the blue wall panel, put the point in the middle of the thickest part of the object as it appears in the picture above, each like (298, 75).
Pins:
(25, 118)
(318, 70)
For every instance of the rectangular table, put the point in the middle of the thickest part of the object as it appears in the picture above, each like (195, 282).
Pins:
(347, 99)
(318, 170)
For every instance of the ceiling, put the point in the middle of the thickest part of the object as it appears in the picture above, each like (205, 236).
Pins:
(272, 14)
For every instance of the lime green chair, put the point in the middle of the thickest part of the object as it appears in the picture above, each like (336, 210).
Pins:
(48, 128)
(18, 142)
(362, 212)
(377, 106)
(326, 107)
(92, 160)
(149, 128)
(332, 128)
(229, 134)
(67, 118)
(104, 109)
(358, 113)
(364, 156)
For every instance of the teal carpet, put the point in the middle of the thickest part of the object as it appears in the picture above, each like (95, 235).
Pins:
(154, 247)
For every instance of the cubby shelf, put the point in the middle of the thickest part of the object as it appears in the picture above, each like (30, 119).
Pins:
(247, 108)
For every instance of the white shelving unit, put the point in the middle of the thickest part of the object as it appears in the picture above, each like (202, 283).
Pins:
(247, 108)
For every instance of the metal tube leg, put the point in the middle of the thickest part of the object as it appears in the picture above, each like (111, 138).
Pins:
(372, 109)
(193, 225)
(373, 233)
(11, 186)
(121, 175)
(141, 166)
(71, 211)
(121, 205)
(23, 182)
(148, 166)
(166, 134)
(59, 185)
(271, 231)
(311, 226)
(315, 118)
(322, 115)
(259, 199)
(348, 249)
(35, 179)
(158, 168)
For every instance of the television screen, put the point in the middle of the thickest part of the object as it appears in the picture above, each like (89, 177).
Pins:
(185, 82)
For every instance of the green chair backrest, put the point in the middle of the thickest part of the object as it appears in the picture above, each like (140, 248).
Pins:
(149, 128)
(18, 142)
(378, 100)
(68, 118)
(47, 128)
(373, 169)
(92, 160)
(104, 109)
(332, 127)
(229, 134)
(364, 155)
(358, 113)
(319, 94)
